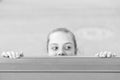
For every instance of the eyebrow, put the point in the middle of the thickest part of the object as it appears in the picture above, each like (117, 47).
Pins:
(68, 43)
(54, 44)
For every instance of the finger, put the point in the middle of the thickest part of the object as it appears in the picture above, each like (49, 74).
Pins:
(21, 54)
(105, 54)
(109, 54)
(9, 54)
(101, 54)
(17, 55)
(97, 54)
(13, 54)
(114, 54)
(4, 55)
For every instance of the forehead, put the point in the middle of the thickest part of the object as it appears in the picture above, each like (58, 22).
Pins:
(61, 37)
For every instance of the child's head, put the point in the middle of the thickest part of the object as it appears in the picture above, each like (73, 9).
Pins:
(61, 42)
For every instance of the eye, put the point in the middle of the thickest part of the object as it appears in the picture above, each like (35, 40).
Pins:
(68, 47)
(55, 48)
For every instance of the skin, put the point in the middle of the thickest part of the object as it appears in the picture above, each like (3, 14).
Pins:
(12, 54)
(105, 54)
(61, 44)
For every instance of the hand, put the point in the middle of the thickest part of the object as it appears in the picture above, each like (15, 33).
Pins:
(12, 54)
(106, 54)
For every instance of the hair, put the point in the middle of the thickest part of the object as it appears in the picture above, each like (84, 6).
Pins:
(65, 31)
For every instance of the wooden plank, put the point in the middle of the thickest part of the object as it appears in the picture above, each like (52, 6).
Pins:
(59, 76)
(60, 68)
(60, 64)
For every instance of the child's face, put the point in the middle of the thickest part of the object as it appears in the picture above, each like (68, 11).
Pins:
(61, 44)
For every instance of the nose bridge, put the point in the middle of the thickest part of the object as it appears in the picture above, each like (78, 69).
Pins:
(61, 50)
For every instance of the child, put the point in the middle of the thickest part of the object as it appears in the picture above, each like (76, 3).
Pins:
(60, 42)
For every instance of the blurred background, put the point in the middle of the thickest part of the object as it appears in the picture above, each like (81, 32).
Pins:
(24, 24)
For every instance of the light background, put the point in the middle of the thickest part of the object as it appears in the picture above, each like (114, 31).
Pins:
(24, 24)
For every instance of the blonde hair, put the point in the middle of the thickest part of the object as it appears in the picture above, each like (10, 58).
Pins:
(66, 31)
